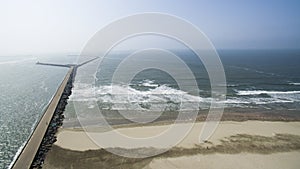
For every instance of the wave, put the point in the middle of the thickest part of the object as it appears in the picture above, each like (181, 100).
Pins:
(121, 97)
(148, 83)
(232, 85)
(274, 96)
(296, 84)
(270, 100)
(258, 92)
(163, 97)
(246, 102)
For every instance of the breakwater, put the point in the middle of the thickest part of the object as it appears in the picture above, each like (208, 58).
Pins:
(56, 122)
(42, 138)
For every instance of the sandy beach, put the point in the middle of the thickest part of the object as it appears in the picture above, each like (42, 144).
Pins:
(69, 138)
(288, 160)
(254, 144)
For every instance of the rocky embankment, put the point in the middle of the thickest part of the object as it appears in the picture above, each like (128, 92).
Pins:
(56, 122)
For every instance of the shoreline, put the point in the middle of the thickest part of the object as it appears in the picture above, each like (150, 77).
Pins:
(232, 114)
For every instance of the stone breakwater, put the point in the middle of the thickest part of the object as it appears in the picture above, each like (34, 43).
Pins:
(42, 138)
(55, 123)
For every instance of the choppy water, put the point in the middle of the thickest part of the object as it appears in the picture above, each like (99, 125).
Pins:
(25, 91)
(255, 79)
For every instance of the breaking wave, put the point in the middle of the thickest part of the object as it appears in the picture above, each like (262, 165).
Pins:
(119, 97)
(162, 97)
(296, 84)
(258, 92)
(258, 96)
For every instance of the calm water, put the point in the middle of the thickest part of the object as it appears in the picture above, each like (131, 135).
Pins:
(255, 79)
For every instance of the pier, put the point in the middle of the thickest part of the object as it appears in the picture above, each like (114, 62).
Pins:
(53, 64)
(43, 136)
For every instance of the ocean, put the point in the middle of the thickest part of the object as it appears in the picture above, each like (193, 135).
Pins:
(265, 79)
(256, 79)
(26, 90)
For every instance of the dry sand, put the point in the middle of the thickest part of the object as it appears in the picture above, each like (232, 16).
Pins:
(290, 160)
(247, 145)
(75, 139)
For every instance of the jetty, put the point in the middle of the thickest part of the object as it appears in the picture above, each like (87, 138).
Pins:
(44, 134)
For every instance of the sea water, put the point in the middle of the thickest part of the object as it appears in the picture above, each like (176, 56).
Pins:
(25, 91)
(260, 79)
(257, 80)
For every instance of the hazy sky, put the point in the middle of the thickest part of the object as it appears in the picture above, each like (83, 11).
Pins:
(56, 26)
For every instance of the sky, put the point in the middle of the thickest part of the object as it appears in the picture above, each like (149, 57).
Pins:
(65, 26)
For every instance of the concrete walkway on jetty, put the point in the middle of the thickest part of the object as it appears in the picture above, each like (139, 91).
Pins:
(29, 151)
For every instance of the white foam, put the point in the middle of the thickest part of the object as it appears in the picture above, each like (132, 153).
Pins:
(258, 92)
(236, 101)
(275, 96)
(149, 83)
(296, 84)
(126, 97)
(269, 100)
(232, 85)
(160, 98)
(17, 154)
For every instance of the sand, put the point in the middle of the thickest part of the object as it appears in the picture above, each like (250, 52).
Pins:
(78, 140)
(290, 160)
(247, 145)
